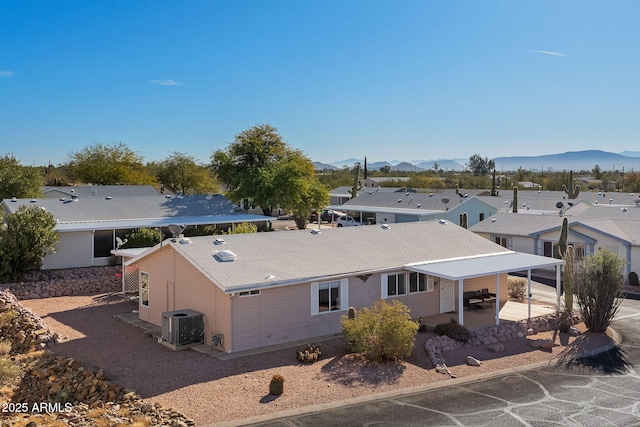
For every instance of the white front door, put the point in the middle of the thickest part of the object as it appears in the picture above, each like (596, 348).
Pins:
(447, 296)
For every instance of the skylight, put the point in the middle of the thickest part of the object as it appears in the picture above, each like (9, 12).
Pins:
(225, 256)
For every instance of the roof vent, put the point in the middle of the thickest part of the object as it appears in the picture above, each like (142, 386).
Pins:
(442, 221)
(219, 241)
(33, 200)
(624, 209)
(108, 197)
(418, 205)
(184, 240)
(269, 277)
(493, 220)
(14, 199)
(62, 199)
(314, 231)
(385, 226)
(225, 256)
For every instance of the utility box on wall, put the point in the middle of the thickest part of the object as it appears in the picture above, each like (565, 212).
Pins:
(182, 327)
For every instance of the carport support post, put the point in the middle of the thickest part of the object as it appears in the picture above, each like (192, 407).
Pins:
(460, 301)
(529, 291)
(497, 299)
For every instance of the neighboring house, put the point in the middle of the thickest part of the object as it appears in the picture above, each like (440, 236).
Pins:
(257, 290)
(89, 227)
(383, 207)
(341, 195)
(617, 229)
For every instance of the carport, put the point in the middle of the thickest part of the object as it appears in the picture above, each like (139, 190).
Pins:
(487, 265)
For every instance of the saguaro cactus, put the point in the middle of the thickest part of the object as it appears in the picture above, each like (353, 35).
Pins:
(514, 207)
(571, 189)
(494, 190)
(562, 242)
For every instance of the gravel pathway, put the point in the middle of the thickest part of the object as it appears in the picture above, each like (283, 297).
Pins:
(209, 390)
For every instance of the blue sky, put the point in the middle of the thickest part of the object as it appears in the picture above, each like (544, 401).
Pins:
(392, 80)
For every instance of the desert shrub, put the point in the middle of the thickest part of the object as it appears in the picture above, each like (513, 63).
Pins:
(453, 330)
(6, 317)
(382, 332)
(517, 287)
(633, 278)
(8, 370)
(5, 347)
(598, 288)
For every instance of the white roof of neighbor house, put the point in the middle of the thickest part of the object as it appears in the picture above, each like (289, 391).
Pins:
(287, 257)
(101, 191)
(427, 202)
(517, 224)
(135, 212)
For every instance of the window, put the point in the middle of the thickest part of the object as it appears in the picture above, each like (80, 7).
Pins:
(144, 289)
(502, 241)
(249, 293)
(102, 243)
(417, 282)
(550, 249)
(481, 216)
(329, 296)
(396, 284)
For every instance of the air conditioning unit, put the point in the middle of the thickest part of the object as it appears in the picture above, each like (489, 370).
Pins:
(182, 327)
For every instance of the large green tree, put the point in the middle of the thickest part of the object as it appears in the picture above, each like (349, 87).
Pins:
(17, 180)
(259, 166)
(25, 238)
(113, 164)
(479, 166)
(184, 174)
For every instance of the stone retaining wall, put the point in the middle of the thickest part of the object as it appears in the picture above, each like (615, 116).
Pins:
(66, 282)
(492, 335)
(77, 395)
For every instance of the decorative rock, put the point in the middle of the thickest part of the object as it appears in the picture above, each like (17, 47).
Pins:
(542, 343)
(496, 348)
(530, 331)
(472, 361)
(573, 331)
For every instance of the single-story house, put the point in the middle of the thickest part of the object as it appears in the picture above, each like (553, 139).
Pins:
(615, 229)
(383, 207)
(262, 289)
(89, 228)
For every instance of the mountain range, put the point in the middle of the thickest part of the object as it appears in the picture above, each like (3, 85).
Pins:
(571, 160)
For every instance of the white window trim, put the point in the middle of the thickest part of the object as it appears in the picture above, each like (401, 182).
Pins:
(384, 294)
(343, 297)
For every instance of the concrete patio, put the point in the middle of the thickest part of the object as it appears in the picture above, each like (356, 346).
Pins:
(482, 317)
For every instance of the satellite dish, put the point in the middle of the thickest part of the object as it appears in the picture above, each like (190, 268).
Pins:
(445, 200)
(175, 230)
(120, 242)
(559, 205)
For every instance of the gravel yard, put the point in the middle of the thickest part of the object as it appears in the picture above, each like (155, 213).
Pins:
(210, 390)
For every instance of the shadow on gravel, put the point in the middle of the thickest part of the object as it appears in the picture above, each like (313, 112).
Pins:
(353, 369)
(613, 361)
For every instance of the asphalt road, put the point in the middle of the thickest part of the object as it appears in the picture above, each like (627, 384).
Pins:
(603, 390)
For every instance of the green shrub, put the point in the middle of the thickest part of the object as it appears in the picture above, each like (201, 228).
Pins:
(143, 238)
(453, 330)
(6, 317)
(598, 288)
(517, 287)
(382, 332)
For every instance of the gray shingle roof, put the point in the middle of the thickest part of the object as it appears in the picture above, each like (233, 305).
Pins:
(101, 191)
(128, 212)
(517, 224)
(299, 256)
